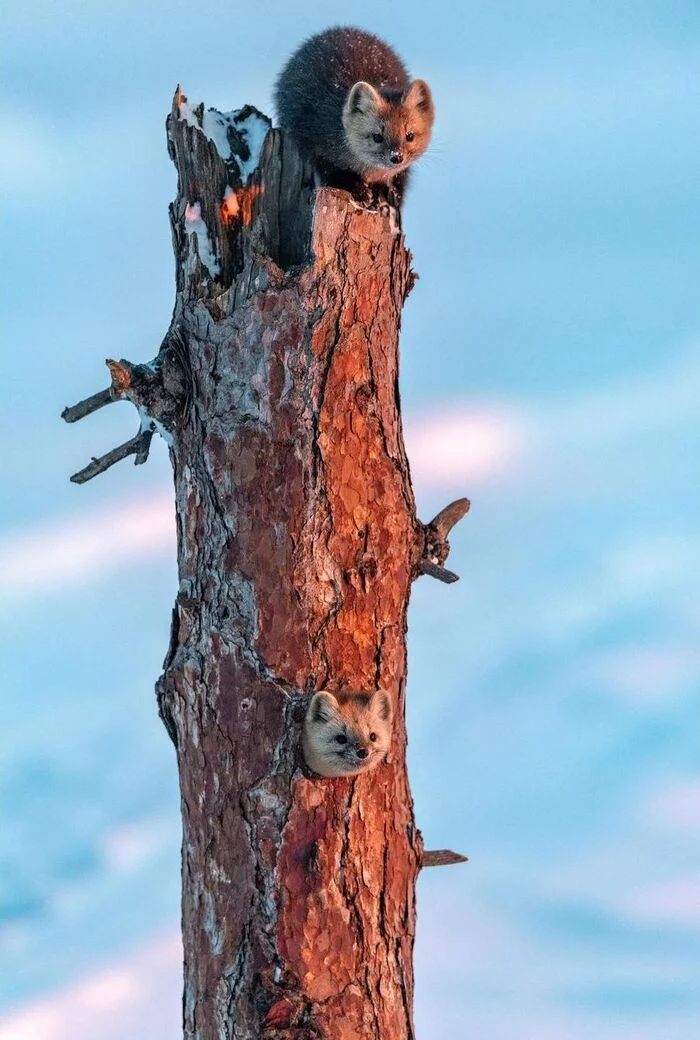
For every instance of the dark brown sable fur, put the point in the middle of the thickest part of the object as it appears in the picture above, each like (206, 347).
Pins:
(346, 99)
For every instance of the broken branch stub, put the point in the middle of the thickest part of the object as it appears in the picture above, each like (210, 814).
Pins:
(435, 546)
(442, 858)
(276, 387)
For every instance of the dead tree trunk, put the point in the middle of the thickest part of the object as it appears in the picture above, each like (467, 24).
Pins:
(276, 390)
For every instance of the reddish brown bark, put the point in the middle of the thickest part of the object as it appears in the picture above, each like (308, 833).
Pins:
(297, 544)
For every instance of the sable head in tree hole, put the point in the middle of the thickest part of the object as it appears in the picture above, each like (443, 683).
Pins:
(347, 733)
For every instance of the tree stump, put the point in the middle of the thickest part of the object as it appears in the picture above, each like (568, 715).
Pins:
(276, 388)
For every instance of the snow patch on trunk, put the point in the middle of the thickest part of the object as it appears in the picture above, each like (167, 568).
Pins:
(196, 228)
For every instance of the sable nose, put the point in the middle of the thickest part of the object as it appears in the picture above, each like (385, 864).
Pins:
(396, 158)
(362, 752)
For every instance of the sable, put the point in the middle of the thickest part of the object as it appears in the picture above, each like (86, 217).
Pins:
(347, 101)
(138, 446)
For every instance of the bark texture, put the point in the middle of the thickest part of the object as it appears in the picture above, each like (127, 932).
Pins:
(277, 389)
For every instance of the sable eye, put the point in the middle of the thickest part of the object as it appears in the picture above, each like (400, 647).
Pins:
(410, 135)
(378, 138)
(373, 737)
(340, 739)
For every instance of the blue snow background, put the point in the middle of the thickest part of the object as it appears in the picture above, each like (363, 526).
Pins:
(550, 371)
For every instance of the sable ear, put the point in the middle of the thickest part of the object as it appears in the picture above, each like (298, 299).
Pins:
(322, 707)
(418, 96)
(363, 98)
(381, 705)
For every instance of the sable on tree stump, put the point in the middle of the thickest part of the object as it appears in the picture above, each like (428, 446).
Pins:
(276, 389)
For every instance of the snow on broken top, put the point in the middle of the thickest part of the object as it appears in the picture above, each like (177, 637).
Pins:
(238, 138)
(247, 124)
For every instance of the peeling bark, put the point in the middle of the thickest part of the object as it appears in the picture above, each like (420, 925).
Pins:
(277, 388)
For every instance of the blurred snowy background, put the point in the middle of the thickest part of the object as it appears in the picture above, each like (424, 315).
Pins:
(550, 371)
